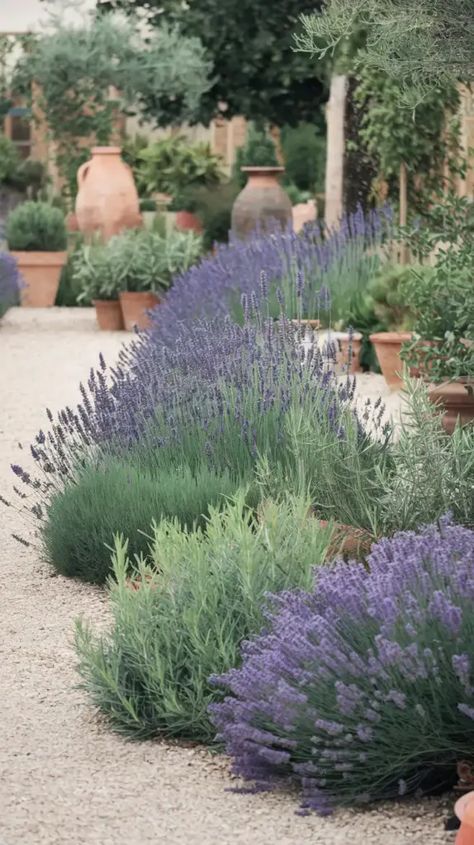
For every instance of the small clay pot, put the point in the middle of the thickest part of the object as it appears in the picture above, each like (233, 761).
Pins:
(135, 305)
(41, 272)
(109, 314)
(387, 348)
(457, 399)
(348, 541)
(350, 347)
(261, 203)
(314, 325)
(186, 221)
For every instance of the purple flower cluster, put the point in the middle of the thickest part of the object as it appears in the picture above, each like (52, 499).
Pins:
(213, 287)
(223, 386)
(364, 688)
(9, 282)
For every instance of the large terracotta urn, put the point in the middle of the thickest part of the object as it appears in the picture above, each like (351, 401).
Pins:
(107, 200)
(262, 202)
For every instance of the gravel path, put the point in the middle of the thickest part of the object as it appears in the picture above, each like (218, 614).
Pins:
(65, 779)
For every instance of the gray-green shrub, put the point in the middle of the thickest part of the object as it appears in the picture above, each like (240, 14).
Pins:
(36, 226)
(81, 520)
(194, 603)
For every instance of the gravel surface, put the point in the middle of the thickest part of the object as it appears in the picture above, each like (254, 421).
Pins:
(65, 779)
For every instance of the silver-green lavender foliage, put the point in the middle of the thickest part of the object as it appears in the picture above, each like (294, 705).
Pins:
(199, 597)
(432, 474)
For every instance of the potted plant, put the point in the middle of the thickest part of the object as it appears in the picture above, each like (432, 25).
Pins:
(36, 236)
(441, 350)
(93, 275)
(174, 167)
(262, 201)
(389, 305)
(134, 269)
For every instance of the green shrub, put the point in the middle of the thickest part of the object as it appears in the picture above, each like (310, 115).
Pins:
(9, 160)
(213, 207)
(139, 259)
(258, 151)
(304, 153)
(386, 293)
(36, 226)
(69, 289)
(192, 608)
(81, 519)
(432, 474)
(172, 166)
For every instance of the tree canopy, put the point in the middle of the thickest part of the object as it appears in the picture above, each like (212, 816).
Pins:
(424, 45)
(256, 70)
(82, 75)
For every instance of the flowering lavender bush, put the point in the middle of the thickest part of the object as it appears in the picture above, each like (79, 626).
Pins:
(363, 688)
(230, 395)
(9, 282)
(342, 260)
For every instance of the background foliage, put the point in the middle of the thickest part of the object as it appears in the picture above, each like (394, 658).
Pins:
(256, 72)
(421, 46)
(82, 77)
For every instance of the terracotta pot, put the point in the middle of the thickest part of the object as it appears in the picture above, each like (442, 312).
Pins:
(109, 314)
(348, 541)
(135, 305)
(107, 200)
(41, 272)
(187, 221)
(71, 222)
(349, 354)
(303, 213)
(387, 347)
(314, 325)
(261, 203)
(457, 399)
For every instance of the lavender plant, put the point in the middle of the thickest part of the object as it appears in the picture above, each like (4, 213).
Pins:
(342, 260)
(228, 395)
(9, 282)
(363, 688)
(117, 496)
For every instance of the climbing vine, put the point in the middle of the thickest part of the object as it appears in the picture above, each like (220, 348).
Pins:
(424, 140)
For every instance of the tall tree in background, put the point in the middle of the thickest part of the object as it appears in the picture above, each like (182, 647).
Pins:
(423, 44)
(257, 72)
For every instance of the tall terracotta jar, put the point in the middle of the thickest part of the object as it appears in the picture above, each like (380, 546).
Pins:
(107, 200)
(261, 203)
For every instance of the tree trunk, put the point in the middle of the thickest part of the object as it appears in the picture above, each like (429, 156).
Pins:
(335, 118)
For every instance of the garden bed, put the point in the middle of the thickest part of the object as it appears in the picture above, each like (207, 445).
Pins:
(63, 775)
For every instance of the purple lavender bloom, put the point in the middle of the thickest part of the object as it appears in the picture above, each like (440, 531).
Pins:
(10, 282)
(390, 687)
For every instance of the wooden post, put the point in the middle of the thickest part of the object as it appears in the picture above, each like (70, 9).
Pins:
(403, 195)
